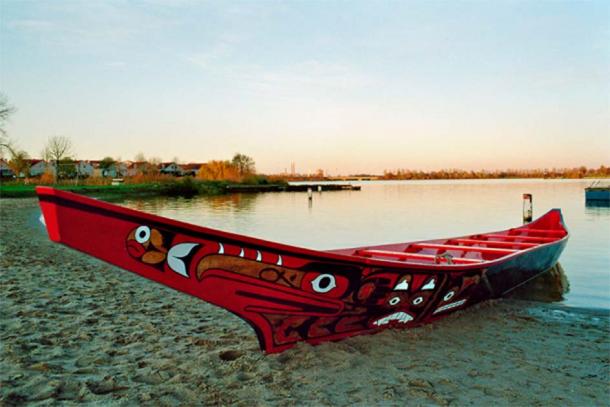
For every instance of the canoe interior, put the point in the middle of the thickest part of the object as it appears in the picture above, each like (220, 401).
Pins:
(478, 248)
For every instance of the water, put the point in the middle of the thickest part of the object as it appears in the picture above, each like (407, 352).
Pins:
(400, 211)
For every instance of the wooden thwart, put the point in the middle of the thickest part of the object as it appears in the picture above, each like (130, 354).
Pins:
(549, 232)
(496, 243)
(463, 248)
(413, 256)
(517, 237)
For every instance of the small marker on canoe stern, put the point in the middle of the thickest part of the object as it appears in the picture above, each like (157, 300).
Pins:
(528, 208)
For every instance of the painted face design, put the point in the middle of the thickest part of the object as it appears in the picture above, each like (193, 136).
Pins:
(457, 295)
(148, 245)
(408, 299)
(290, 299)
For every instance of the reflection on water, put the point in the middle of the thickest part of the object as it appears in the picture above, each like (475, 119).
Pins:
(401, 211)
(550, 286)
(216, 203)
(598, 204)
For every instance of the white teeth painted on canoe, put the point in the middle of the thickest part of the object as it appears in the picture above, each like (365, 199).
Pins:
(221, 249)
(241, 253)
(259, 256)
(400, 317)
(279, 260)
(429, 286)
(402, 286)
(449, 306)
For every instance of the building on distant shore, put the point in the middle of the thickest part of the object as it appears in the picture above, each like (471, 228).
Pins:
(170, 168)
(37, 167)
(191, 169)
(5, 170)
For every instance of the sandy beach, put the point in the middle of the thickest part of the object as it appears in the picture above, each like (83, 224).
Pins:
(74, 329)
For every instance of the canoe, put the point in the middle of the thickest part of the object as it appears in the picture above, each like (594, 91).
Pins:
(290, 294)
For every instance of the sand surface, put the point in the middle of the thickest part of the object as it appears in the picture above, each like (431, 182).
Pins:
(73, 329)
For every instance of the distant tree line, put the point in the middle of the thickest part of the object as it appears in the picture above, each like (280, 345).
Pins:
(577, 172)
(238, 169)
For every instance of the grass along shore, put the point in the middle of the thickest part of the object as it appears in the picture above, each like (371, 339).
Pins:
(176, 187)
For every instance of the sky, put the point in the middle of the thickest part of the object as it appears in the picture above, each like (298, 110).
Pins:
(345, 86)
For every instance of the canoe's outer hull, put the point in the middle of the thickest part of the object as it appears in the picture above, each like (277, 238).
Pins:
(287, 294)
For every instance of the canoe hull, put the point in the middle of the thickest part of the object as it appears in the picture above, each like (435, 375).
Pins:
(287, 294)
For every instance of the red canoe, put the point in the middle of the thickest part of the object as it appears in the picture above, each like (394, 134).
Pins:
(290, 294)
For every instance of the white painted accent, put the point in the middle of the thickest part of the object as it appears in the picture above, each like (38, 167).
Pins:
(402, 286)
(449, 296)
(315, 284)
(401, 317)
(139, 231)
(241, 253)
(221, 249)
(429, 285)
(41, 219)
(175, 256)
(259, 256)
(279, 260)
(418, 300)
(394, 300)
(449, 306)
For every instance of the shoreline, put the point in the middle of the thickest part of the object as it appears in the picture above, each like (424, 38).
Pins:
(74, 329)
(187, 186)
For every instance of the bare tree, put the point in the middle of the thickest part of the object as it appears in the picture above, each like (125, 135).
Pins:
(245, 165)
(154, 165)
(19, 163)
(58, 148)
(6, 110)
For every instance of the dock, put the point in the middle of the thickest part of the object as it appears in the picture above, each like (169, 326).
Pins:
(292, 188)
(597, 194)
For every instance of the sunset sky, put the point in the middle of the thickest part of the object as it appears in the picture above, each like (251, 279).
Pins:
(346, 86)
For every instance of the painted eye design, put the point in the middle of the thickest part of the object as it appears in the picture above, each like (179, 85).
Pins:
(418, 300)
(142, 234)
(323, 283)
(394, 300)
(449, 295)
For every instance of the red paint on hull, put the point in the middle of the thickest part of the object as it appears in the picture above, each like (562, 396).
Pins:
(290, 294)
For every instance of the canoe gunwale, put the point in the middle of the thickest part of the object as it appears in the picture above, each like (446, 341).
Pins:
(63, 198)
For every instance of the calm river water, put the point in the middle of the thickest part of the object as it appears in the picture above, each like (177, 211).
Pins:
(389, 212)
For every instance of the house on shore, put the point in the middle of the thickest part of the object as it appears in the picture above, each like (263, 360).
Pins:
(5, 170)
(38, 167)
(116, 170)
(170, 168)
(84, 168)
(191, 169)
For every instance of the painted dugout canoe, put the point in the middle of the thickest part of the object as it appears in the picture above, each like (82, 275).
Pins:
(290, 294)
